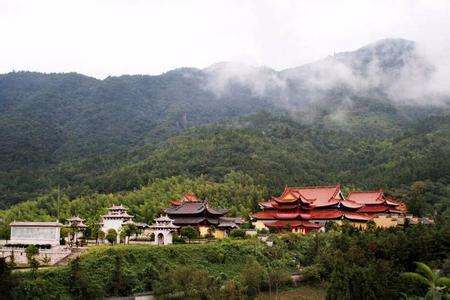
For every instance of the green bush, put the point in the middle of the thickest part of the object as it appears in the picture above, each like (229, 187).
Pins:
(237, 233)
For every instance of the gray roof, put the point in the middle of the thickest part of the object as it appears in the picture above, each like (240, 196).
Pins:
(189, 208)
(37, 224)
(188, 221)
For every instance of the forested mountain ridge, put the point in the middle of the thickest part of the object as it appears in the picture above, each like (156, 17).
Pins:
(118, 133)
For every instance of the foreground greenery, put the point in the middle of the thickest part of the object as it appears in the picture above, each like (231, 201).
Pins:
(349, 263)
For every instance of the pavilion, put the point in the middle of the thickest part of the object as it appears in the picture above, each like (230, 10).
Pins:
(192, 211)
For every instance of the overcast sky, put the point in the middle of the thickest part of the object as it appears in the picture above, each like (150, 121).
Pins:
(114, 37)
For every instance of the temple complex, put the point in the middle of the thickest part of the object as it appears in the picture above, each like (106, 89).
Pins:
(191, 211)
(303, 209)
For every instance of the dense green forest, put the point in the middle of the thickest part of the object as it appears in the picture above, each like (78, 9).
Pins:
(88, 135)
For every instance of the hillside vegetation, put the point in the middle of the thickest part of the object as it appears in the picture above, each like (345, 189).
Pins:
(346, 262)
(79, 132)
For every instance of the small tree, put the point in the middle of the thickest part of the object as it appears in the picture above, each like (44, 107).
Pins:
(95, 230)
(189, 232)
(277, 277)
(424, 275)
(101, 236)
(111, 236)
(371, 225)
(31, 251)
(252, 277)
(127, 231)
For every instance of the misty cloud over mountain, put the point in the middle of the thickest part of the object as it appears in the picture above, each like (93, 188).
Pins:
(394, 69)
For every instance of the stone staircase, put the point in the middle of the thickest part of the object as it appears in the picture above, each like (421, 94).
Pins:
(75, 252)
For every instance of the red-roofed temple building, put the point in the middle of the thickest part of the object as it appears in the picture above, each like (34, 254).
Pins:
(304, 209)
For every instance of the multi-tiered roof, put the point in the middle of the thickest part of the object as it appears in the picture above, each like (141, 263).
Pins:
(77, 222)
(190, 210)
(118, 212)
(306, 206)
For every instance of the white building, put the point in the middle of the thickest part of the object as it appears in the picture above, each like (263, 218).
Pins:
(35, 233)
(116, 217)
(45, 235)
(163, 229)
(77, 226)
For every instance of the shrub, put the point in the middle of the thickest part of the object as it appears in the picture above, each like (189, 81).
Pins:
(237, 233)
(111, 236)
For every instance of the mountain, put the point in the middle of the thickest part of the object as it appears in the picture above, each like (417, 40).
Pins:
(77, 131)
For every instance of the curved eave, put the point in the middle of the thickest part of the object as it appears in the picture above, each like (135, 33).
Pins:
(285, 206)
(357, 217)
(350, 204)
(392, 202)
(326, 204)
(284, 201)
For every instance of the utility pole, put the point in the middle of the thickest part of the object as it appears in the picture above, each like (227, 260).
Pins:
(57, 213)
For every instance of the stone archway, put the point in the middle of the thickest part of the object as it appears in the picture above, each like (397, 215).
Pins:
(160, 239)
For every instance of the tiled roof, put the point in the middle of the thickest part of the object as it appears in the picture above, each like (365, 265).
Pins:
(186, 208)
(284, 216)
(392, 202)
(165, 226)
(361, 197)
(285, 206)
(319, 196)
(192, 208)
(267, 204)
(351, 204)
(185, 198)
(163, 218)
(124, 215)
(373, 209)
(216, 211)
(188, 221)
(326, 214)
(357, 216)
